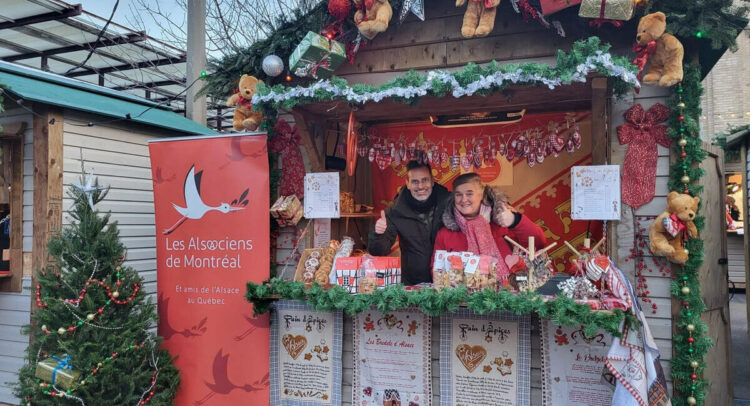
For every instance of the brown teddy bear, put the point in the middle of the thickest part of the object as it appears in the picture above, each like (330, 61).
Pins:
(667, 233)
(479, 17)
(665, 65)
(244, 116)
(372, 16)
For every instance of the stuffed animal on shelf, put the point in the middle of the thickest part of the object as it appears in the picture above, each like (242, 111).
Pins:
(244, 116)
(673, 227)
(372, 16)
(479, 17)
(665, 65)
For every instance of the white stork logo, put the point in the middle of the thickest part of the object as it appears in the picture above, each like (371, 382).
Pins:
(196, 208)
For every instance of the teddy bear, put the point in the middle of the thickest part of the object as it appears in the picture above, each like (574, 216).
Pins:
(372, 16)
(667, 233)
(479, 17)
(665, 65)
(244, 116)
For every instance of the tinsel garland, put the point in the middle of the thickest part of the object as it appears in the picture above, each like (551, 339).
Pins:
(690, 340)
(586, 56)
(561, 310)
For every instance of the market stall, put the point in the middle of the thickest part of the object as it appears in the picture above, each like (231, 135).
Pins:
(545, 112)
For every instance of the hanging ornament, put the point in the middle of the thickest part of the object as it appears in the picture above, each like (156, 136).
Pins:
(577, 139)
(362, 150)
(455, 160)
(339, 9)
(415, 6)
(394, 154)
(465, 163)
(531, 159)
(436, 159)
(402, 151)
(272, 65)
(371, 154)
(444, 159)
(383, 159)
(570, 145)
(510, 154)
(501, 149)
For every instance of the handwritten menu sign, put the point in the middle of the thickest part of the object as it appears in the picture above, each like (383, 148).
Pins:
(322, 195)
(572, 366)
(305, 356)
(595, 192)
(392, 359)
(484, 360)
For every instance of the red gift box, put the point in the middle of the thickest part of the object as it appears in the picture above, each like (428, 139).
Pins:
(553, 6)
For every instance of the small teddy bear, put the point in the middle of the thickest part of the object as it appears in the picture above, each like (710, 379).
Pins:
(665, 65)
(479, 17)
(372, 17)
(244, 116)
(667, 233)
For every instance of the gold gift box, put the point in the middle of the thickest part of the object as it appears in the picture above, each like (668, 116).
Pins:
(613, 9)
(64, 377)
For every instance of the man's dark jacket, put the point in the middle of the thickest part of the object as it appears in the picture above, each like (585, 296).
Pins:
(416, 230)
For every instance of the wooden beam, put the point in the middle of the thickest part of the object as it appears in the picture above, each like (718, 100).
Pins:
(316, 161)
(73, 11)
(129, 66)
(104, 42)
(745, 205)
(13, 162)
(48, 178)
(13, 130)
(600, 119)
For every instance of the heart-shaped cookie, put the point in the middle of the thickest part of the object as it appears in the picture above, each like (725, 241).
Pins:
(470, 356)
(294, 344)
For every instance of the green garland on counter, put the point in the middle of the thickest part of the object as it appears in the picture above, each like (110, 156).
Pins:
(690, 340)
(561, 310)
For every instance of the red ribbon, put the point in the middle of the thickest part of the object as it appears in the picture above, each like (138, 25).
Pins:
(679, 223)
(323, 63)
(241, 101)
(487, 3)
(642, 53)
(530, 12)
(602, 9)
(599, 22)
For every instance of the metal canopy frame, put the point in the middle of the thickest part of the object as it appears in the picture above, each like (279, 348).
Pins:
(57, 37)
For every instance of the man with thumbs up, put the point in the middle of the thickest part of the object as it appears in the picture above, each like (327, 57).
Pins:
(415, 217)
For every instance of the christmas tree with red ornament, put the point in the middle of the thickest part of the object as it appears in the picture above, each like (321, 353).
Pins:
(90, 340)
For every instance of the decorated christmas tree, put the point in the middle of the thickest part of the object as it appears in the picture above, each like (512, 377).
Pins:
(90, 338)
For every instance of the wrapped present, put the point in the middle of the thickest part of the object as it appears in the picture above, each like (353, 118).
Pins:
(553, 6)
(316, 56)
(58, 371)
(287, 211)
(607, 9)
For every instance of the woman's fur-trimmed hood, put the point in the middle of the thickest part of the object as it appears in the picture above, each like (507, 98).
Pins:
(492, 195)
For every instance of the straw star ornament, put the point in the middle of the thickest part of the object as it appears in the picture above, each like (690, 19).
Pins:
(89, 188)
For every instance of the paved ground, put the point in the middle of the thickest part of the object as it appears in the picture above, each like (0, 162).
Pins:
(740, 350)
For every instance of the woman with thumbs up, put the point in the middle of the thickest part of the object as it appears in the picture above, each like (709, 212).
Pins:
(415, 217)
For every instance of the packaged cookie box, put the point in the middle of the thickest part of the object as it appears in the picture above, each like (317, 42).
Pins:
(382, 271)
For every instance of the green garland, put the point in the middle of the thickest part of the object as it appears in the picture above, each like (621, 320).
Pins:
(690, 341)
(561, 310)
(585, 55)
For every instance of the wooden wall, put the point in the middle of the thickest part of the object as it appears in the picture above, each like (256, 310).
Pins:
(15, 307)
(118, 156)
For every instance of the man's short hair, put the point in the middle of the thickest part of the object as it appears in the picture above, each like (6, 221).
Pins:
(414, 164)
(466, 178)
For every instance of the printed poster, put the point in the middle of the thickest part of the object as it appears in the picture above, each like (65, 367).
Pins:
(322, 195)
(306, 348)
(595, 192)
(212, 226)
(392, 359)
(484, 359)
(572, 366)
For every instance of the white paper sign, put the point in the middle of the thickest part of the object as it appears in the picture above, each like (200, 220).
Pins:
(322, 195)
(595, 192)
(484, 360)
(306, 356)
(392, 359)
(321, 233)
(572, 366)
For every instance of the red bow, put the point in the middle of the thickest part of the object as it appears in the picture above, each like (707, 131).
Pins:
(599, 22)
(677, 222)
(241, 101)
(642, 53)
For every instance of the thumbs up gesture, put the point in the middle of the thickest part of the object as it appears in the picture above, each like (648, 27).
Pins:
(506, 216)
(381, 224)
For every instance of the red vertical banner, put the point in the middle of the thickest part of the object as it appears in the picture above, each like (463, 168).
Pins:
(211, 200)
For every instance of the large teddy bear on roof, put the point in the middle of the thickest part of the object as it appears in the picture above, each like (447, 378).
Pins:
(245, 119)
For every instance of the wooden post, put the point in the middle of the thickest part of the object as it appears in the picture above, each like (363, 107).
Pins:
(48, 179)
(745, 206)
(13, 160)
(600, 142)
(308, 143)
